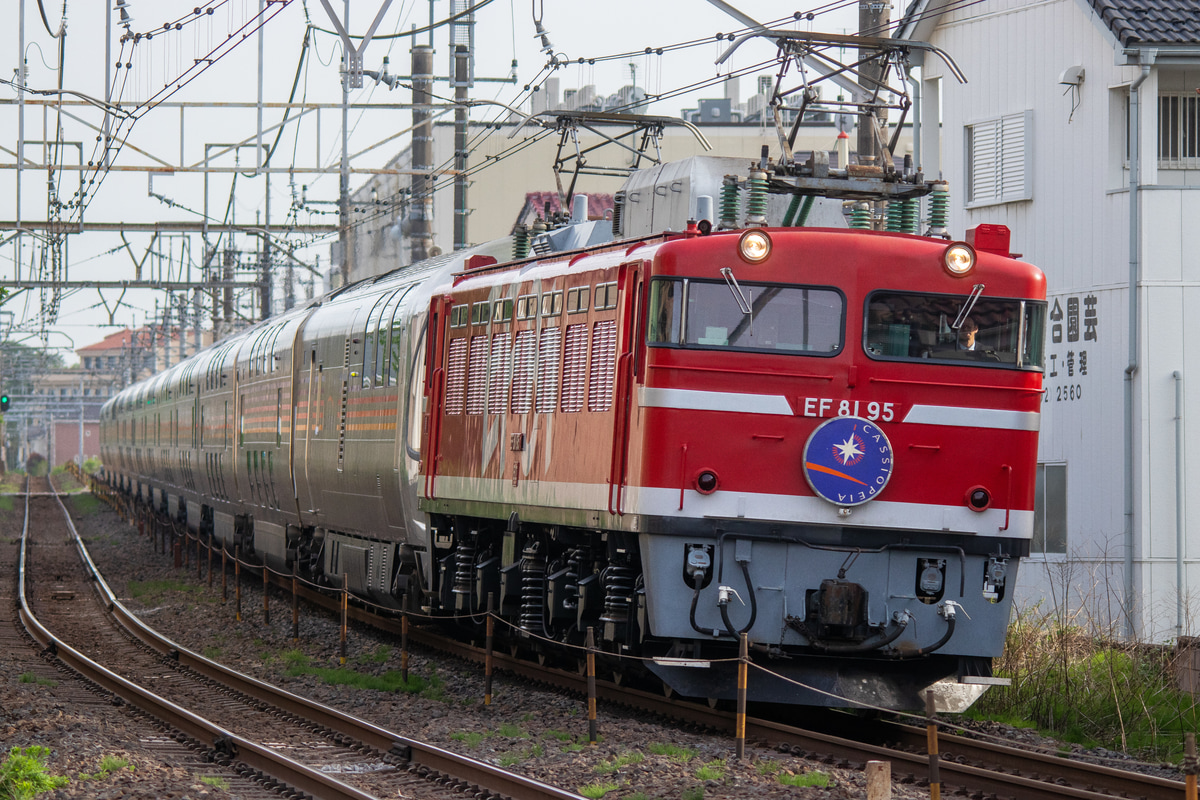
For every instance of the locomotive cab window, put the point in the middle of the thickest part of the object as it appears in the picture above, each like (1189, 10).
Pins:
(941, 327)
(774, 318)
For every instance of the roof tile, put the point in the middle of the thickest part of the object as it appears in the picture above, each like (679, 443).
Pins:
(1146, 22)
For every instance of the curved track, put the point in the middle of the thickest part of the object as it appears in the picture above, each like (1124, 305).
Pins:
(310, 749)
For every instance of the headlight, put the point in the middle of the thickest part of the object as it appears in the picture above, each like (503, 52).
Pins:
(959, 259)
(754, 246)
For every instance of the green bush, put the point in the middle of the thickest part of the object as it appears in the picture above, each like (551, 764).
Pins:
(23, 774)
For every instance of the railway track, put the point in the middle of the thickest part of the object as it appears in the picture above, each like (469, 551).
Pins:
(278, 740)
(978, 768)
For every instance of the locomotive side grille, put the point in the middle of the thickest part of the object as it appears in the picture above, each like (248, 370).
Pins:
(524, 357)
(604, 354)
(547, 370)
(574, 368)
(477, 375)
(456, 377)
(501, 368)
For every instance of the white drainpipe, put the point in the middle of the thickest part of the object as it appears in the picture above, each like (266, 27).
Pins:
(1146, 60)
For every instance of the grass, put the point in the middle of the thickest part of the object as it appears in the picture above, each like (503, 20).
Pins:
(819, 779)
(692, 793)
(215, 782)
(594, 791)
(6, 502)
(623, 760)
(712, 771)
(151, 590)
(23, 774)
(212, 653)
(471, 739)
(379, 655)
(673, 752)
(298, 664)
(510, 731)
(108, 765)
(83, 505)
(1091, 689)
(29, 677)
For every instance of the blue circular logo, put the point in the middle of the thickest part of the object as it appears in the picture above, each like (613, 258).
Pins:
(848, 460)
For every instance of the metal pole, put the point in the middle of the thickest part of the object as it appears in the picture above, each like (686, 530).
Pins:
(462, 62)
(403, 641)
(420, 211)
(344, 181)
(345, 610)
(935, 781)
(237, 580)
(487, 659)
(266, 595)
(295, 607)
(591, 684)
(743, 670)
(873, 19)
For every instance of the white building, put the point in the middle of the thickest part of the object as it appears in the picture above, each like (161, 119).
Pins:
(1079, 129)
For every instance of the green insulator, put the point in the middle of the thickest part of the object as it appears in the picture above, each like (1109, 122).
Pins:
(939, 210)
(756, 206)
(895, 216)
(730, 202)
(860, 216)
(912, 215)
(521, 242)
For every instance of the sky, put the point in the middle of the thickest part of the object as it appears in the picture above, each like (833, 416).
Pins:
(609, 37)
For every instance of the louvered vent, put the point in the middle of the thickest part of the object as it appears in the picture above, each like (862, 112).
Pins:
(477, 375)
(501, 370)
(604, 355)
(574, 366)
(456, 376)
(524, 364)
(547, 370)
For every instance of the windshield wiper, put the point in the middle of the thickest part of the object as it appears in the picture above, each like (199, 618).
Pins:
(976, 291)
(738, 296)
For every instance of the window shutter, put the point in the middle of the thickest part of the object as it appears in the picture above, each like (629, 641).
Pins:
(604, 355)
(998, 160)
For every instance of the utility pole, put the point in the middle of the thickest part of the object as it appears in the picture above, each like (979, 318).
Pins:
(462, 62)
(873, 19)
(420, 212)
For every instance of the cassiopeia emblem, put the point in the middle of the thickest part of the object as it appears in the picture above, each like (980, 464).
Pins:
(848, 460)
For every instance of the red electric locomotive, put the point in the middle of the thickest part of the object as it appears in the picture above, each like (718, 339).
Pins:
(824, 439)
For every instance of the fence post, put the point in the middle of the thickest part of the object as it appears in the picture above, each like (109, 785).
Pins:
(266, 594)
(237, 579)
(345, 614)
(404, 639)
(487, 659)
(591, 683)
(879, 780)
(743, 670)
(935, 780)
(295, 606)
(224, 573)
(1189, 766)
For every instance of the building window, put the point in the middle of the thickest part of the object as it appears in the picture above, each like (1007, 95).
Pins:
(1178, 131)
(1050, 510)
(998, 160)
